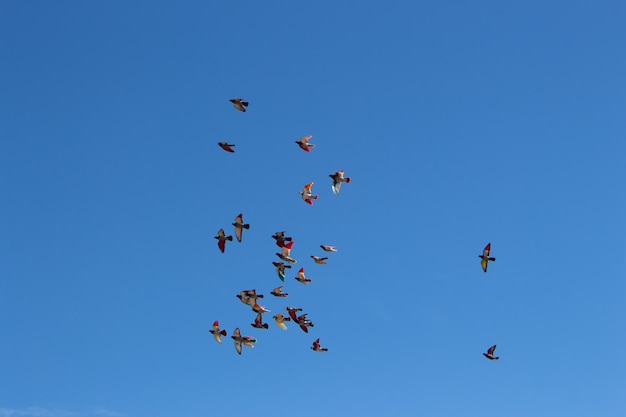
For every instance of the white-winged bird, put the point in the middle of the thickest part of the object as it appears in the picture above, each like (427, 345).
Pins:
(489, 354)
(216, 332)
(221, 239)
(239, 104)
(304, 144)
(317, 348)
(239, 226)
(319, 260)
(228, 147)
(301, 278)
(306, 194)
(280, 320)
(484, 258)
(338, 178)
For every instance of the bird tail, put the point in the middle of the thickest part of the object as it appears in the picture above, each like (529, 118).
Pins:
(311, 145)
(314, 197)
(223, 332)
(492, 259)
(246, 226)
(244, 103)
(265, 326)
(229, 238)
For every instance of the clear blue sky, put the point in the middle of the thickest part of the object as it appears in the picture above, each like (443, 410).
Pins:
(460, 123)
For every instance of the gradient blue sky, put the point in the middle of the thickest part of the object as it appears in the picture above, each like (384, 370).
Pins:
(460, 123)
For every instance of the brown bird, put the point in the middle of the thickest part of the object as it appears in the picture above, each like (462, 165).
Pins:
(489, 354)
(304, 323)
(285, 250)
(301, 278)
(239, 226)
(278, 292)
(484, 258)
(221, 239)
(319, 260)
(281, 238)
(317, 348)
(280, 320)
(258, 322)
(304, 144)
(216, 332)
(239, 104)
(228, 147)
(328, 248)
(249, 297)
(338, 178)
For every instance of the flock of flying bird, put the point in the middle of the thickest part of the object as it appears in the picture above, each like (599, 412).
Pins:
(285, 243)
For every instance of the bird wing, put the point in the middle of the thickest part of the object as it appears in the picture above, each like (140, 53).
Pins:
(483, 263)
(316, 344)
(221, 244)
(491, 350)
(487, 250)
(307, 188)
(258, 321)
(336, 187)
(238, 346)
(305, 139)
(301, 274)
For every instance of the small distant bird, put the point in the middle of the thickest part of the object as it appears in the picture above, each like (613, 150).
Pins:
(239, 226)
(258, 322)
(304, 323)
(292, 312)
(249, 297)
(327, 248)
(280, 320)
(338, 178)
(221, 239)
(285, 250)
(248, 341)
(228, 147)
(259, 309)
(319, 260)
(238, 339)
(489, 354)
(278, 292)
(280, 269)
(216, 332)
(317, 348)
(304, 144)
(485, 257)
(239, 104)
(306, 194)
(301, 278)
(281, 238)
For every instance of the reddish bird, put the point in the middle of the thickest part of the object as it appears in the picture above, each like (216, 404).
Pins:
(228, 147)
(304, 144)
(239, 104)
(489, 354)
(484, 258)
(338, 178)
(304, 323)
(216, 332)
(328, 248)
(281, 238)
(258, 322)
(306, 194)
(301, 278)
(317, 348)
(285, 250)
(239, 226)
(278, 292)
(221, 239)
(292, 312)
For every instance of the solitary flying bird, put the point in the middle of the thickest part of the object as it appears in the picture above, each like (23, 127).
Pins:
(317, 348)
(301, 278)
(338, 178)
(485, 257)
(489, 354)
(328, 248)
(221, 239)
(228, 147)
(239, 226)
(239, 104)
(304, 144)
(319, 260)
(306, 194)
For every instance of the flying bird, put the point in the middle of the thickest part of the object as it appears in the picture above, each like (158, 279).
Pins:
(489, 354)
(285, 250)
(238, 339)
(319, 260)
(258, 322)
(239, 226)
(328, 248)
(281, 238)
(304, 323)
(249, 297)
(304, 144)
(259, 309)
(317, 348)
(221, 239)
(228, 147)
(338, 178)
(278, 292)
(292, 312)
(306, 194)
(239, 104)
(280, 320)
(216, 332)
(301, 278)
(248, 341)
(280, 269)
(485, 257)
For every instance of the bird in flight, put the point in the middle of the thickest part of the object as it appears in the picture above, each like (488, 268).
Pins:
(280, 238)
(319, 260)
(301, 278)
(490, 355)
(317, 348)
(228, 147)
(278, 292)
(338, 178)
(280, 320)
(221, 239)
(328, 248)
(239, 226)
(280, 269)
(239, 104)
(484, 258)
(306, 194)
(285, 252)
(216, 332)
(258, 322)
(304, 144)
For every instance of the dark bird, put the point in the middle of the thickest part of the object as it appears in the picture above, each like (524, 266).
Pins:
(301, 278)
(306, 194)
(328, 248)
(317, 348)
(280, 269)
(292, 312)
(216, 332)
(258, 322)
(304, 144)
(221, 239)
(338, 178)
(278, 292)
(239, 104)
(239, 226)
(281, 238)
(304, 323)
(485, 257)
(228, 147)
(489, 354)
(319, 260)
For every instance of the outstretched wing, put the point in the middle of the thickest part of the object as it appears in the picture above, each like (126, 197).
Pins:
(483, 263)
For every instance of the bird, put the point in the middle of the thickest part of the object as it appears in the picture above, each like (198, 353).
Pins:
(278, 292)
(228, 147)
(248, 341)
(259, 309)
(328, 248)
(319, 260)
(239, 226)
(304, 323)
(301, 278)
(285, 250)
(238, 339)
(280, 269)
(281, 238)
(338, 178)
(485, 257)
(216, 332)
(239, 104)
(258, 322)
(489, 354)
(306, 194)
(221, 239)
(317, 348)
(292, 312)
(304, 144)
(280, 320)
(249, 297)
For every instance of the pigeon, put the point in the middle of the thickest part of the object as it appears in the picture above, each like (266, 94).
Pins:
(248, 341)
(304, 323)
(238, 339)
(280, 320)
(327, 248)
(239, 226)
(300, 277)
(278, 292)
(216, 332)
(304, 144)
(221, 239)
(259, 309)
(258, 322)
(318, 260)
(485, 257)
(292, 312)
(281, 238)
(317, 348)
(239, 104)
(280, 269)
(285, 250)
(306, 194)
(489, 354)
(249, 297)
(228, 147)
(338, 178)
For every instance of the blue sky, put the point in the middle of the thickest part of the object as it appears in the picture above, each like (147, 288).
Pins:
(460, 124)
